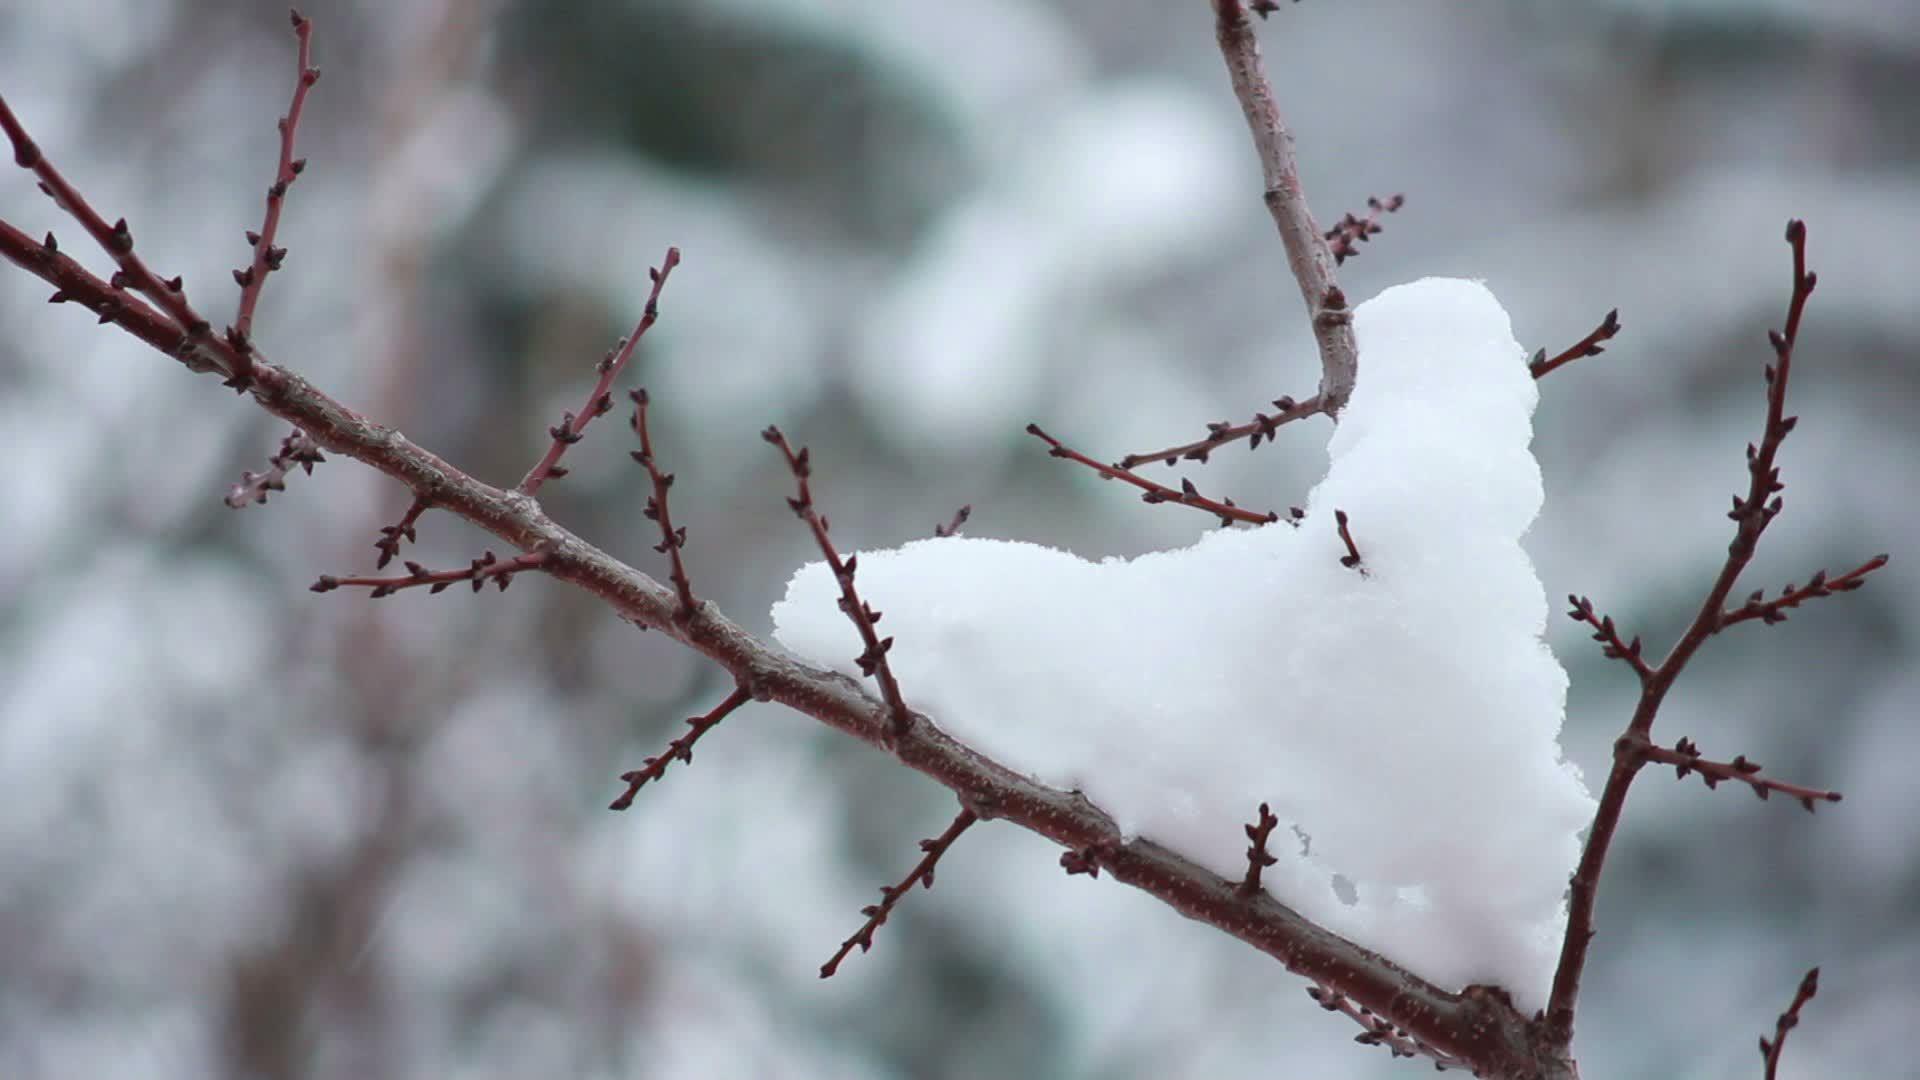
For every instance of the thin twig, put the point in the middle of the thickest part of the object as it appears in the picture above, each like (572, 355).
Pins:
(873, 657)
(1221, 433)
(1258, 857)
(488, 567)
(680, 749)
(599, 401)
(1188, 495)
(672, 540)
(1380, 1031)
(1308, 255)
(1685, 759)
(1775, 610)
(1586, 346)
(1770, 1050)
(296, 452)
(952, 527)
(267, 257)
(1608, 636)
(922, 874)
(1351, 560)
(1350, 231)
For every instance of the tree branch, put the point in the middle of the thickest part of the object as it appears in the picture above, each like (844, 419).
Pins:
(1308, 255)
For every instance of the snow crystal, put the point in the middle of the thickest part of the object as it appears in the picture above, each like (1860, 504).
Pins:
(1402, 721)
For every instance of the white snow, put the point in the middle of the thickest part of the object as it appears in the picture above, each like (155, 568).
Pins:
(1403, 720)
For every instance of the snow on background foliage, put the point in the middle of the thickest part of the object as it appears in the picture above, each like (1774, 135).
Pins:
(1402, 720)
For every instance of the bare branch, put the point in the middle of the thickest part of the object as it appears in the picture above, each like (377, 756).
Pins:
(952, 527)
(671, 539)
(1308, 255)
(267, 257)
(1775, 610)
(1608, 636)
(571, 427)
(873, 658)
(488, 567)
(1770, 1050)
(296, 452)
(1188, 495)
(1633, 750)
(1586, 346)
(680, 749)
(1220, 434)
(1258, 857)
(1685, 759)
(1351, 560)
(922, 873)
(1350, 232)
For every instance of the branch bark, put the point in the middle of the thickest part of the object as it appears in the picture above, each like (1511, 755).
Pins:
(1308, 255)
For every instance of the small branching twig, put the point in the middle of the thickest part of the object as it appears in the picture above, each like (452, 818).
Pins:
(921, 874)
(1258, 857)
(1775, 610)
(1685, 759)
(296, 451)
(1221, 433)
(1188, 495)
(267, 257)
(402, 531)
(1608, 636)
(1350, 232)
(952, 527)
(1380, 1031)
(873, 658)
(572, 426)
(488, 567)
(671, 539)
(1351, 560)
(680, 749)
(1586, 346)
(1770, 1048)
(1634, 749)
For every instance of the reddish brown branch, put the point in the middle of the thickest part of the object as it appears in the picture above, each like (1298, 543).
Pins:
(680, 749)
(190, 333)
(1608, 636)
(922, 874)
(1775, 610)
(672, 540)
(1751, 514)
(952, 527)
(873, 658)
(1685, 759)
(1351, 560)
(1258, 857)
(488, 567)
(296, 451)
(267, 257)
(1350, 231)
(572, 426)
(1770, 1049)
(1188, 495)
(402, 531)
(1586, 346)
(1221, 433)
(1308, 255)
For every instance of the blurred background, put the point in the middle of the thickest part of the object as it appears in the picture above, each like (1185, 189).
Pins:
(251, 832)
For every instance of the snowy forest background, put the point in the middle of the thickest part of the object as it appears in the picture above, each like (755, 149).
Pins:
(247, 831)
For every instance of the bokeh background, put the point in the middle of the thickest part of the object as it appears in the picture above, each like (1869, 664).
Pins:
(251, 832)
